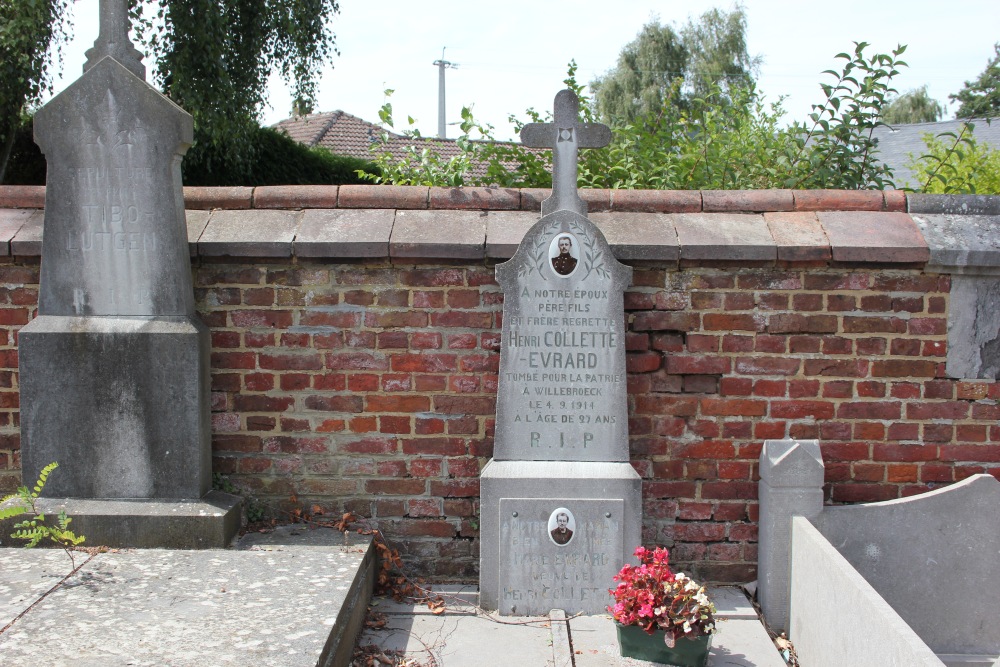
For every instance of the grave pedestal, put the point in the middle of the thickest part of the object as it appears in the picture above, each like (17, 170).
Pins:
(121, 403)
(522, 570)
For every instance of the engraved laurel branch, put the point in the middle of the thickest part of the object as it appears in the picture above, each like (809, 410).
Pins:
(593, 258)
(538, 254)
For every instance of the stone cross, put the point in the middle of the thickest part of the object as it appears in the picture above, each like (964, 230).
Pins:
(565, 136)
(113, 39)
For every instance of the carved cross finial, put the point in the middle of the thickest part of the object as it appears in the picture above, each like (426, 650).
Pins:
(564, 136)
(113, 39)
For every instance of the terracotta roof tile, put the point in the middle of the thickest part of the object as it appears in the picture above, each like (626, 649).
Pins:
(344, 134)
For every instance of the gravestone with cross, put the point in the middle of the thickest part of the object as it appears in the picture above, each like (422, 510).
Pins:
(560, 509)
(114, 370)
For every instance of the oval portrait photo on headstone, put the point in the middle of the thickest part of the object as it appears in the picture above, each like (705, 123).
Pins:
(564, 254)
(562, 525)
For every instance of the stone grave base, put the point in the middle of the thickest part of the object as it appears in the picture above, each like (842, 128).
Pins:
(210, 522)
(292, 598)
(122, 404)
(523, 570)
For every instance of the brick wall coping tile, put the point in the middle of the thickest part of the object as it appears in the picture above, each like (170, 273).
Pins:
(381, 221)
(529, 199)
(839, 200)
(640, 236)
(961, 243)
(212, 198)
(249, 233)
(484, 199)
(383, 196)
(11, 221)
(747, 201)
(27, 242)
(344, 233)
(874, 238)
(798, 236)
(296, 196)
(953, 204)
(504, 231)
(724, 237)
(657, 201)
(196, 220)
(438, 234)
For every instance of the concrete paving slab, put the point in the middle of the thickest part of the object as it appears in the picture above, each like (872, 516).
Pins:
(274, 604)
(27, 575)
(461, 640)
(731, 602)
(457, 600)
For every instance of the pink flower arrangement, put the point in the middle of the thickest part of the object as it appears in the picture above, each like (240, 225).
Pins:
(653, 597)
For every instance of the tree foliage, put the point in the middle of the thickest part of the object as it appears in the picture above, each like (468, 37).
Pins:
(725, 139)
(213, 57)
(708, 55)
(981, 98)
(28, 30)
(956, 164)
(913, 106)
(645, 73)
(718, 53)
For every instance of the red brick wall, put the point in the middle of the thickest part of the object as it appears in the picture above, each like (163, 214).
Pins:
(371, 388)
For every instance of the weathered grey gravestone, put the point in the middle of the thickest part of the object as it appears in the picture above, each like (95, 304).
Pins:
(560, 501)
(114, 370)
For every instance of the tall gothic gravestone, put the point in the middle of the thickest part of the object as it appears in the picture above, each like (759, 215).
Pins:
(114, 371)
(561, 504)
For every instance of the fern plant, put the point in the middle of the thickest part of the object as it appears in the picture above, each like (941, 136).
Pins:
(34, 530)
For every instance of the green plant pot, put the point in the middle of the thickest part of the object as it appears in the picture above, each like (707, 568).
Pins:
(635, 643)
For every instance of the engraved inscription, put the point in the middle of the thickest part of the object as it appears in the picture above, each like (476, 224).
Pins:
(562, 355)
(558, 550)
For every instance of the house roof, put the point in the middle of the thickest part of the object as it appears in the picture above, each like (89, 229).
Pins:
(338, 131)
(897, 142)
(344, 134)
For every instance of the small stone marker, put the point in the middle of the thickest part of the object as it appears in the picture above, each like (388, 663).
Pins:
(561, 502)
(114, 370)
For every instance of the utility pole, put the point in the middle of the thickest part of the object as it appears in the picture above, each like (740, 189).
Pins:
(442, 65)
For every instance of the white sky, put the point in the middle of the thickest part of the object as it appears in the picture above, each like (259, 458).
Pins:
(513, 55)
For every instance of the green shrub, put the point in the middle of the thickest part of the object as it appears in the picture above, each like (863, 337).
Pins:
(279, 161)
(957, 164)
(27, 164)
(35, 529)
